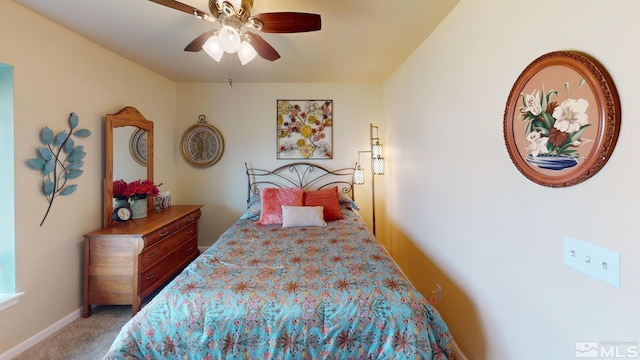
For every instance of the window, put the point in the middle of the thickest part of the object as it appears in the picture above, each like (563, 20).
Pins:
(8, 296)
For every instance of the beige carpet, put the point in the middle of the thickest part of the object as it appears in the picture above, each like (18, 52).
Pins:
(83, 339)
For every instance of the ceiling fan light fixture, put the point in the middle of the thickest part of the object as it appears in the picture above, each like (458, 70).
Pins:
(234, 16)
(246, 52)
(213, 48)
(229, 39)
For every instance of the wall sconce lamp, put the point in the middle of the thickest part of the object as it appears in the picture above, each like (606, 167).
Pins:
(377, 168)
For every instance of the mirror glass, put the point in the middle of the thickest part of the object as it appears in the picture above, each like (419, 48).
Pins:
(129, 160)
(128, 154)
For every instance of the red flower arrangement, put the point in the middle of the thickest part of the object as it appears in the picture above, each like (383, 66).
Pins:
(138, 189)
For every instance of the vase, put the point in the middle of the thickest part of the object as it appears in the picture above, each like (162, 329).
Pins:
(120, 202)
(139, 208)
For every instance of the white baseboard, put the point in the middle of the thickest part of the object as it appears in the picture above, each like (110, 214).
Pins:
(25, 345)
(202, 248)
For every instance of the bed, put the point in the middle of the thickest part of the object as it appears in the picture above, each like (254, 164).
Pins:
(289, 290)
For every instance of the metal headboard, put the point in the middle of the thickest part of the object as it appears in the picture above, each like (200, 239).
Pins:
(303, 175)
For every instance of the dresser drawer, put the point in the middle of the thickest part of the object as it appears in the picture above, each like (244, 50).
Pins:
(163, 270)
(161, 233)
(161, 249)
(189, 219)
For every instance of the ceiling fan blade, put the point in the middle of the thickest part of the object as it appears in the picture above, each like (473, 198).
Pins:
(181, 7)
(196, 44)
(289, 22)
(262, 47)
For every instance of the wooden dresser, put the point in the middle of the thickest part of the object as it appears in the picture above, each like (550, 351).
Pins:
(124, 263)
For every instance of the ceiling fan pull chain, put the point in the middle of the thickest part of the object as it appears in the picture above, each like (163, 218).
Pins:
(230, 78)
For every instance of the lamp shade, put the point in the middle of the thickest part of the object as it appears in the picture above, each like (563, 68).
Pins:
(378, 166)
(213, 48)
(229, 39)
(246, 52)
(358, 176)
(377, 150)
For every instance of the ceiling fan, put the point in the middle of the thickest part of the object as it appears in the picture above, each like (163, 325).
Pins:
(234, 17)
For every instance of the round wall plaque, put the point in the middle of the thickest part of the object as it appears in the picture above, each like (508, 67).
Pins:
(562, 119)
(202, 144)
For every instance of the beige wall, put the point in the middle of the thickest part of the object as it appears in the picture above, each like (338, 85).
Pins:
(57, 72)
(460, 208)
(245, 116)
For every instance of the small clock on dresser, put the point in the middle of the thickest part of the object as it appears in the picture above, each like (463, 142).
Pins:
(202, 144)
(122, 214)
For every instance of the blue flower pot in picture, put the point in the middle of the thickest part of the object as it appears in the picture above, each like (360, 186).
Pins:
(552, 162)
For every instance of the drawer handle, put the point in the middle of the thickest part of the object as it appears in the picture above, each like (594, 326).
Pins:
(151, 276)
(151, 255)
(189, 249)
(190, 219)
(189, 232)
(164, 234)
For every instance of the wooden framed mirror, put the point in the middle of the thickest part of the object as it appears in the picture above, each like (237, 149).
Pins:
(122, 135)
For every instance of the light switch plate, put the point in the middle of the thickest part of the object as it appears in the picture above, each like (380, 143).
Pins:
(598, 262)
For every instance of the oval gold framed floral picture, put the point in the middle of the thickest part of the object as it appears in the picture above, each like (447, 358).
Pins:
(562, 119)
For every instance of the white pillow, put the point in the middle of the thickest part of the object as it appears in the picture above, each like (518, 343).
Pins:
(302, 216)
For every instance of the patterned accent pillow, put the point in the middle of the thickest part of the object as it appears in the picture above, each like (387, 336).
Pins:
(253, 209)
(327, 198)
(302, 216)
(346, 202)
(272, 200)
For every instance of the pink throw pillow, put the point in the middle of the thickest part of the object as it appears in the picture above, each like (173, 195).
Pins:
(272, 200)
(328, 198)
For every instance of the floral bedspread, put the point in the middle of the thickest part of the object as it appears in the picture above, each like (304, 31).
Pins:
(267, 292)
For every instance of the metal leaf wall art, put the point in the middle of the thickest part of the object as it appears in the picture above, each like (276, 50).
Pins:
(60, 160)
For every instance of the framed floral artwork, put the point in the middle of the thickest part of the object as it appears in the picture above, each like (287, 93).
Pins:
(305, 129)
(562, 119)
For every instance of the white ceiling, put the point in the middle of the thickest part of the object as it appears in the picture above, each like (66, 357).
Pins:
(360, 40)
